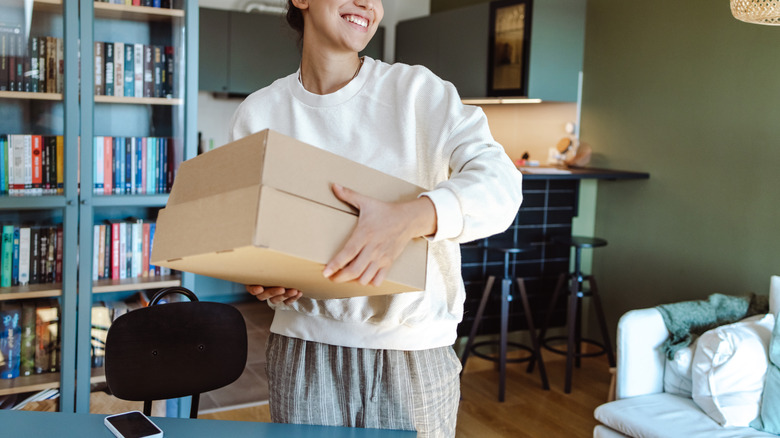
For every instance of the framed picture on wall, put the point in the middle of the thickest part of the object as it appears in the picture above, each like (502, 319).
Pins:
(508, 52)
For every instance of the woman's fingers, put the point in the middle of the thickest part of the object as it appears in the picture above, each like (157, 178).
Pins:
(275, 295)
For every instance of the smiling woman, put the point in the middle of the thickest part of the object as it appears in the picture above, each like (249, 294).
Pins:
(379, 361)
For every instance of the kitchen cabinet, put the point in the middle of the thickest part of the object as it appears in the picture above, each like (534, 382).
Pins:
(241, 52)
(454, 44)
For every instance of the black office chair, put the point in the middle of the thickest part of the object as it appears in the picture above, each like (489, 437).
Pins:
(174, 350)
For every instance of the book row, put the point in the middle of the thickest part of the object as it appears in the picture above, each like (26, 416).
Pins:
(121, 249)
(133, 165)
(150, 3)
(30, 255)
(31, 65)
(29, 337)
(133, 70)
(31, 165)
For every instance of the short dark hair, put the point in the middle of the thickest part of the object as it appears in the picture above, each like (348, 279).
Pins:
(295, 20)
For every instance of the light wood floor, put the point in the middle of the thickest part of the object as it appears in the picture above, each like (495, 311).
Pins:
(528, 412)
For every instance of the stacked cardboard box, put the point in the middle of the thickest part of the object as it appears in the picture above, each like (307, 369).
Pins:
(261, 210)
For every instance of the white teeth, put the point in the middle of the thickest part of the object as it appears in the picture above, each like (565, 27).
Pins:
(357, 20)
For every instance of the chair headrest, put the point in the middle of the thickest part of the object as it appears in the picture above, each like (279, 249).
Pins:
(175, 350)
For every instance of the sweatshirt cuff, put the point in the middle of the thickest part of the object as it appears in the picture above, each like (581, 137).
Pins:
(449, 219)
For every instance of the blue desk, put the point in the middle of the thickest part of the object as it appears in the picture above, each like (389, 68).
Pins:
(62, 425)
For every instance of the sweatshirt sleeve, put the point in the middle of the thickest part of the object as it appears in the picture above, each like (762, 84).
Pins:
(484, 190)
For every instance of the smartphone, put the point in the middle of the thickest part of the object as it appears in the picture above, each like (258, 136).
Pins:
(133, 424)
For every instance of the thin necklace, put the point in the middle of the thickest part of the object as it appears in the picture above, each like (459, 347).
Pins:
(300, 78)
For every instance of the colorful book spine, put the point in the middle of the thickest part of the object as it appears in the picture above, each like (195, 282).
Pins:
(129, 75)
(119, 69)
(6, 260)
(99, 167)
(60, 164)
(138, 70)
(36, 172)
(108, 72)
(3, 164)
(15, 259)
(100, 67)
(10, 339)
(24, 256)
(27, 349)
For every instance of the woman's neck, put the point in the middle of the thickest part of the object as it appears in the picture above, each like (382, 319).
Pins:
(325, 74)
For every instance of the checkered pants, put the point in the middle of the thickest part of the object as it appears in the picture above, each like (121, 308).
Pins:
(313, 383)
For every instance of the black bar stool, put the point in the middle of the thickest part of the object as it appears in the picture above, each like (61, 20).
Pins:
(503, 343)
(576, 292)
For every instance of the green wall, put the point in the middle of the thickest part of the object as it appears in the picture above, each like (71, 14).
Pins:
(691, 95)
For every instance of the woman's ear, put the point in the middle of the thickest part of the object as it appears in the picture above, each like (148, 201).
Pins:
(301, 4)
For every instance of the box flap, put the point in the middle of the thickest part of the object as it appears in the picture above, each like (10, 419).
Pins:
(307, 171)
(236, 165)
(289, 165)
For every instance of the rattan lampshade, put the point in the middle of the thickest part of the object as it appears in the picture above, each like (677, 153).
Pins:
(757, 11)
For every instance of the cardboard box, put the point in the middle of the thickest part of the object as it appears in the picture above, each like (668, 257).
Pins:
(260, 210)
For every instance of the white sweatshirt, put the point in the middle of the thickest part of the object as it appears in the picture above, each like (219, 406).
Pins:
(404, 121)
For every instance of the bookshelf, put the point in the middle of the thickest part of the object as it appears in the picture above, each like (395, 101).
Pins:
(78, 208)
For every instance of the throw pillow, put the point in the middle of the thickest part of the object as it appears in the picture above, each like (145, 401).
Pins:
(729, 370)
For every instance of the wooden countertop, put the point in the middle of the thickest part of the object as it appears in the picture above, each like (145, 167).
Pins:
(546, 172)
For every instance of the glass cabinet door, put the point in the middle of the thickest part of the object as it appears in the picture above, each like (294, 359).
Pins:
(38, 149)
(134, 113)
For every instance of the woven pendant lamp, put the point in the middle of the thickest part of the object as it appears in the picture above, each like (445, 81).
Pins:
(757, 11)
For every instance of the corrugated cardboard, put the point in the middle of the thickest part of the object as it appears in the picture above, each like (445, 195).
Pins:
(260, 210)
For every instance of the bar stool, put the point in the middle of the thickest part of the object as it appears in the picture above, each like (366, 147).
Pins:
(576, 292)
(503, 343)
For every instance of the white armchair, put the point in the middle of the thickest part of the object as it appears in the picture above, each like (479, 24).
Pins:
(642, 408)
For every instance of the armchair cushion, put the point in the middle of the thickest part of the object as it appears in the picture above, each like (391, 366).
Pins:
(729, 369)
(664, 416)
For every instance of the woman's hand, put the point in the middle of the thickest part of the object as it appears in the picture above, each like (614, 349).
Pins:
(275, 295)
(383, 231)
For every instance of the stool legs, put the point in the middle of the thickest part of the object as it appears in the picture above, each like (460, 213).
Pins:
(571, 320)
(506, 298)
(537, 347)
(574, 338)
(502, 349)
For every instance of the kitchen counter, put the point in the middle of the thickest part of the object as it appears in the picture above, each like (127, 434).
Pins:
(543, 172)
(550, 203)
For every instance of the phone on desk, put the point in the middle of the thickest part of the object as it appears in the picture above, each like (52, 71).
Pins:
(133, 424)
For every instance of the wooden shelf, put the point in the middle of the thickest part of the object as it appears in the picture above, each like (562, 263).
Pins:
(30, 96)
(47, 290)
(36, 382)
(136, 13)
(47, 6)
(31, 202)
(138, 100)
(130, 284)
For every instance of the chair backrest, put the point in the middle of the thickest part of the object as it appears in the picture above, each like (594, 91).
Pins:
(173, 350)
